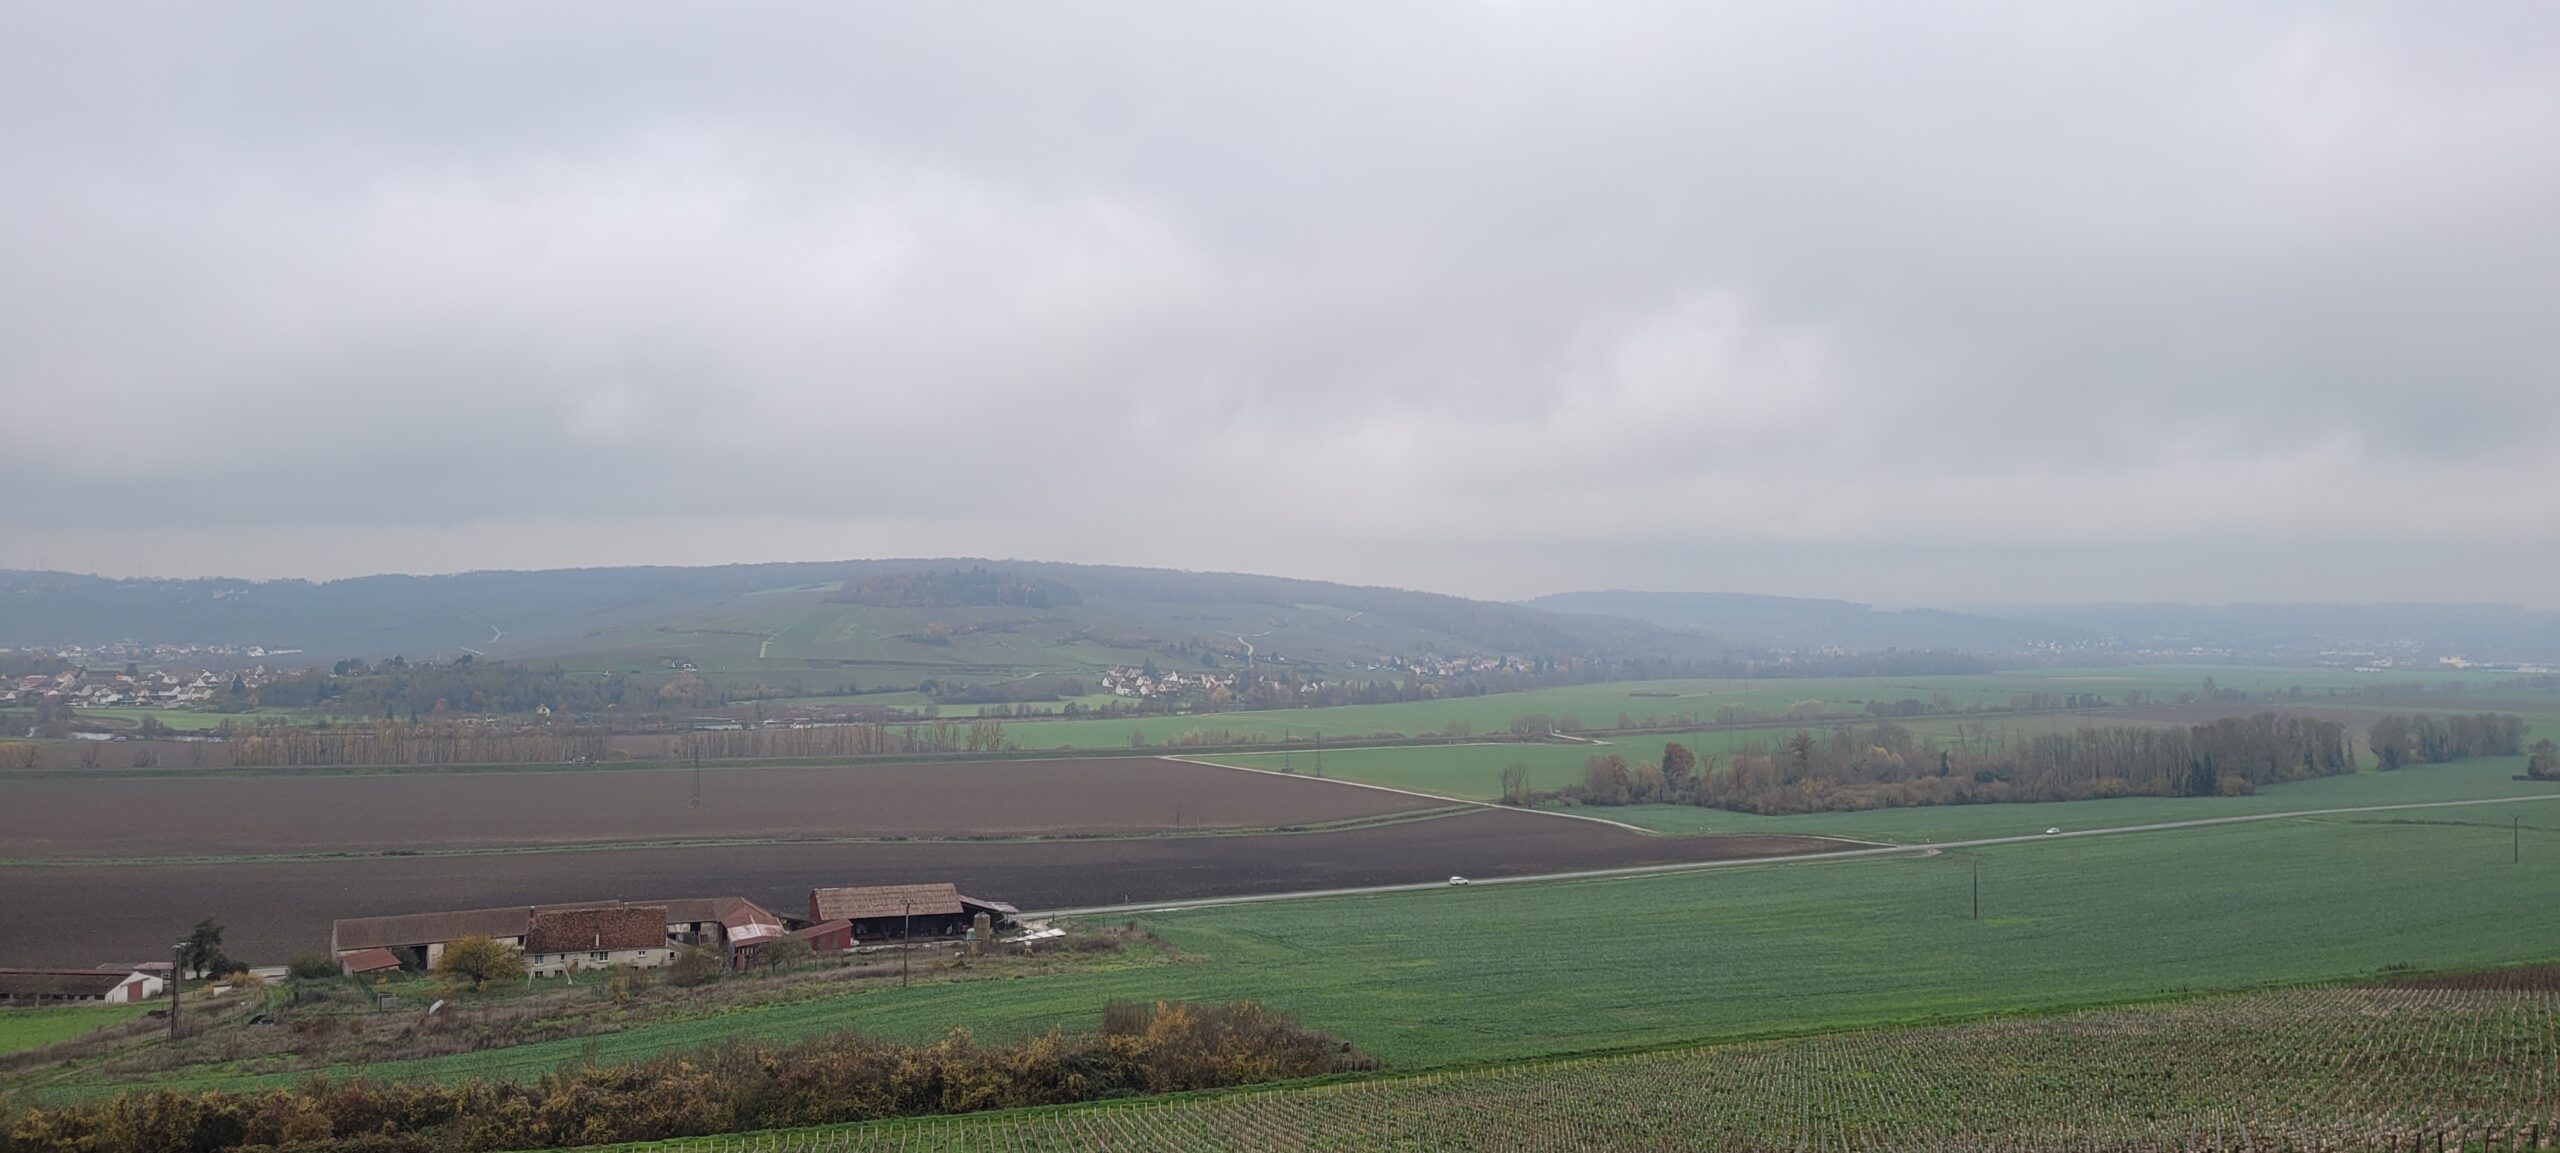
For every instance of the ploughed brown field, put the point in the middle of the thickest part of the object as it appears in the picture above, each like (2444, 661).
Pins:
(92, 914)
(64, 817)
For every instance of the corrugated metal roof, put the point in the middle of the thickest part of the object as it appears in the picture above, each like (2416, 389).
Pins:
(857, 903)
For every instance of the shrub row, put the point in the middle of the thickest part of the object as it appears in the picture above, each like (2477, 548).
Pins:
(728, 1088)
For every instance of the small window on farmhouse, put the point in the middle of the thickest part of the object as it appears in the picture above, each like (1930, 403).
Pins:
(599, 955)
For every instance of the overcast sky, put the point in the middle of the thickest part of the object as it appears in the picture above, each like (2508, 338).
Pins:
(1943, 302)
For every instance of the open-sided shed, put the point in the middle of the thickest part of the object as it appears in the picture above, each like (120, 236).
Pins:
(877, 911)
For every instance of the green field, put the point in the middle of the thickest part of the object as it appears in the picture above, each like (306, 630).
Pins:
(188, 721)
(1599, 706)
(1473, 770)
(1503, 972)
(2320, 1068)
(28, 1028)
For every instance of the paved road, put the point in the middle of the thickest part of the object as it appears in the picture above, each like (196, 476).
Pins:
(1921, 849)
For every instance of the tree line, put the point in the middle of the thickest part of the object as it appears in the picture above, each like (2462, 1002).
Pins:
(730, 1088)
(868, 739)
(1886, 766)
(2425, 740)
(406, 743)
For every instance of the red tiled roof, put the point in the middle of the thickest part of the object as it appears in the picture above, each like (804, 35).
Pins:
(369, 960)
(857, 903)
(579, 930)
(412, 929)
(429, 928)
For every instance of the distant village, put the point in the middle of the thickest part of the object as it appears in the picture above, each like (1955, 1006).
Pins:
(136, 689)
(1151, 683)
(1438, 666)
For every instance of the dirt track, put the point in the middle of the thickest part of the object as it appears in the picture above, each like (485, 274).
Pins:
(51, 818)
(95, 914)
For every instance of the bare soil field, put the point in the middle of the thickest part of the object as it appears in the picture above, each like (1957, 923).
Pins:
(87, 915)
(64, 817)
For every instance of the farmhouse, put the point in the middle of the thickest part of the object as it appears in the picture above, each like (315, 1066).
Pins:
(417, 940)
(626, 936)
(878, 911)
(73, 986)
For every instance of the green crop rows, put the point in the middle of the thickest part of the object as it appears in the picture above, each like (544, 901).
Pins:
(2294, 1069)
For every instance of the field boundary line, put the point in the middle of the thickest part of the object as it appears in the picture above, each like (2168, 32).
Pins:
(1882, 851)
(1435, 796)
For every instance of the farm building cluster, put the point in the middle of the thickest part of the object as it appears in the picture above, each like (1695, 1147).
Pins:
(104, 985)
(559, 939)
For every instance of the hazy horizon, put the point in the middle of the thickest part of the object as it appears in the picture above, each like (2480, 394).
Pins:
(1953, 606)
(2127, 302)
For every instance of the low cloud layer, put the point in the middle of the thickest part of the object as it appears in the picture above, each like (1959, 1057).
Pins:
(1970, 302)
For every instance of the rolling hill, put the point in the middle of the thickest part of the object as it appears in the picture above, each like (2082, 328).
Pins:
(815, 615)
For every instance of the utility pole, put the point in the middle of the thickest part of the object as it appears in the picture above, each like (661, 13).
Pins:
(1977, 888)
(2519, 833)
(697, 777)
(906, 940)
(177, 973)
(1319, 752)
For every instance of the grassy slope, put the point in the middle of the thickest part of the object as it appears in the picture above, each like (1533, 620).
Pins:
(1500, 972)
(28, 1028)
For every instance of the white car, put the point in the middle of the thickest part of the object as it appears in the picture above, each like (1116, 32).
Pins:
(2056, 831)
(1457, 880)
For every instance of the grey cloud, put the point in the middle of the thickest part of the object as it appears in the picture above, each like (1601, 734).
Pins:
(1490, 297)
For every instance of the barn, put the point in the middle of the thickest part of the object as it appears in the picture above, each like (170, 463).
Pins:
(826, 938)
(77, 986)
(888, 911)
(418, 939)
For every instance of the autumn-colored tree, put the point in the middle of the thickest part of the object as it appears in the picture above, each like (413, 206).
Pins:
(1677, 764)
(2544, 762)
(480, 960)
(1604, 780)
